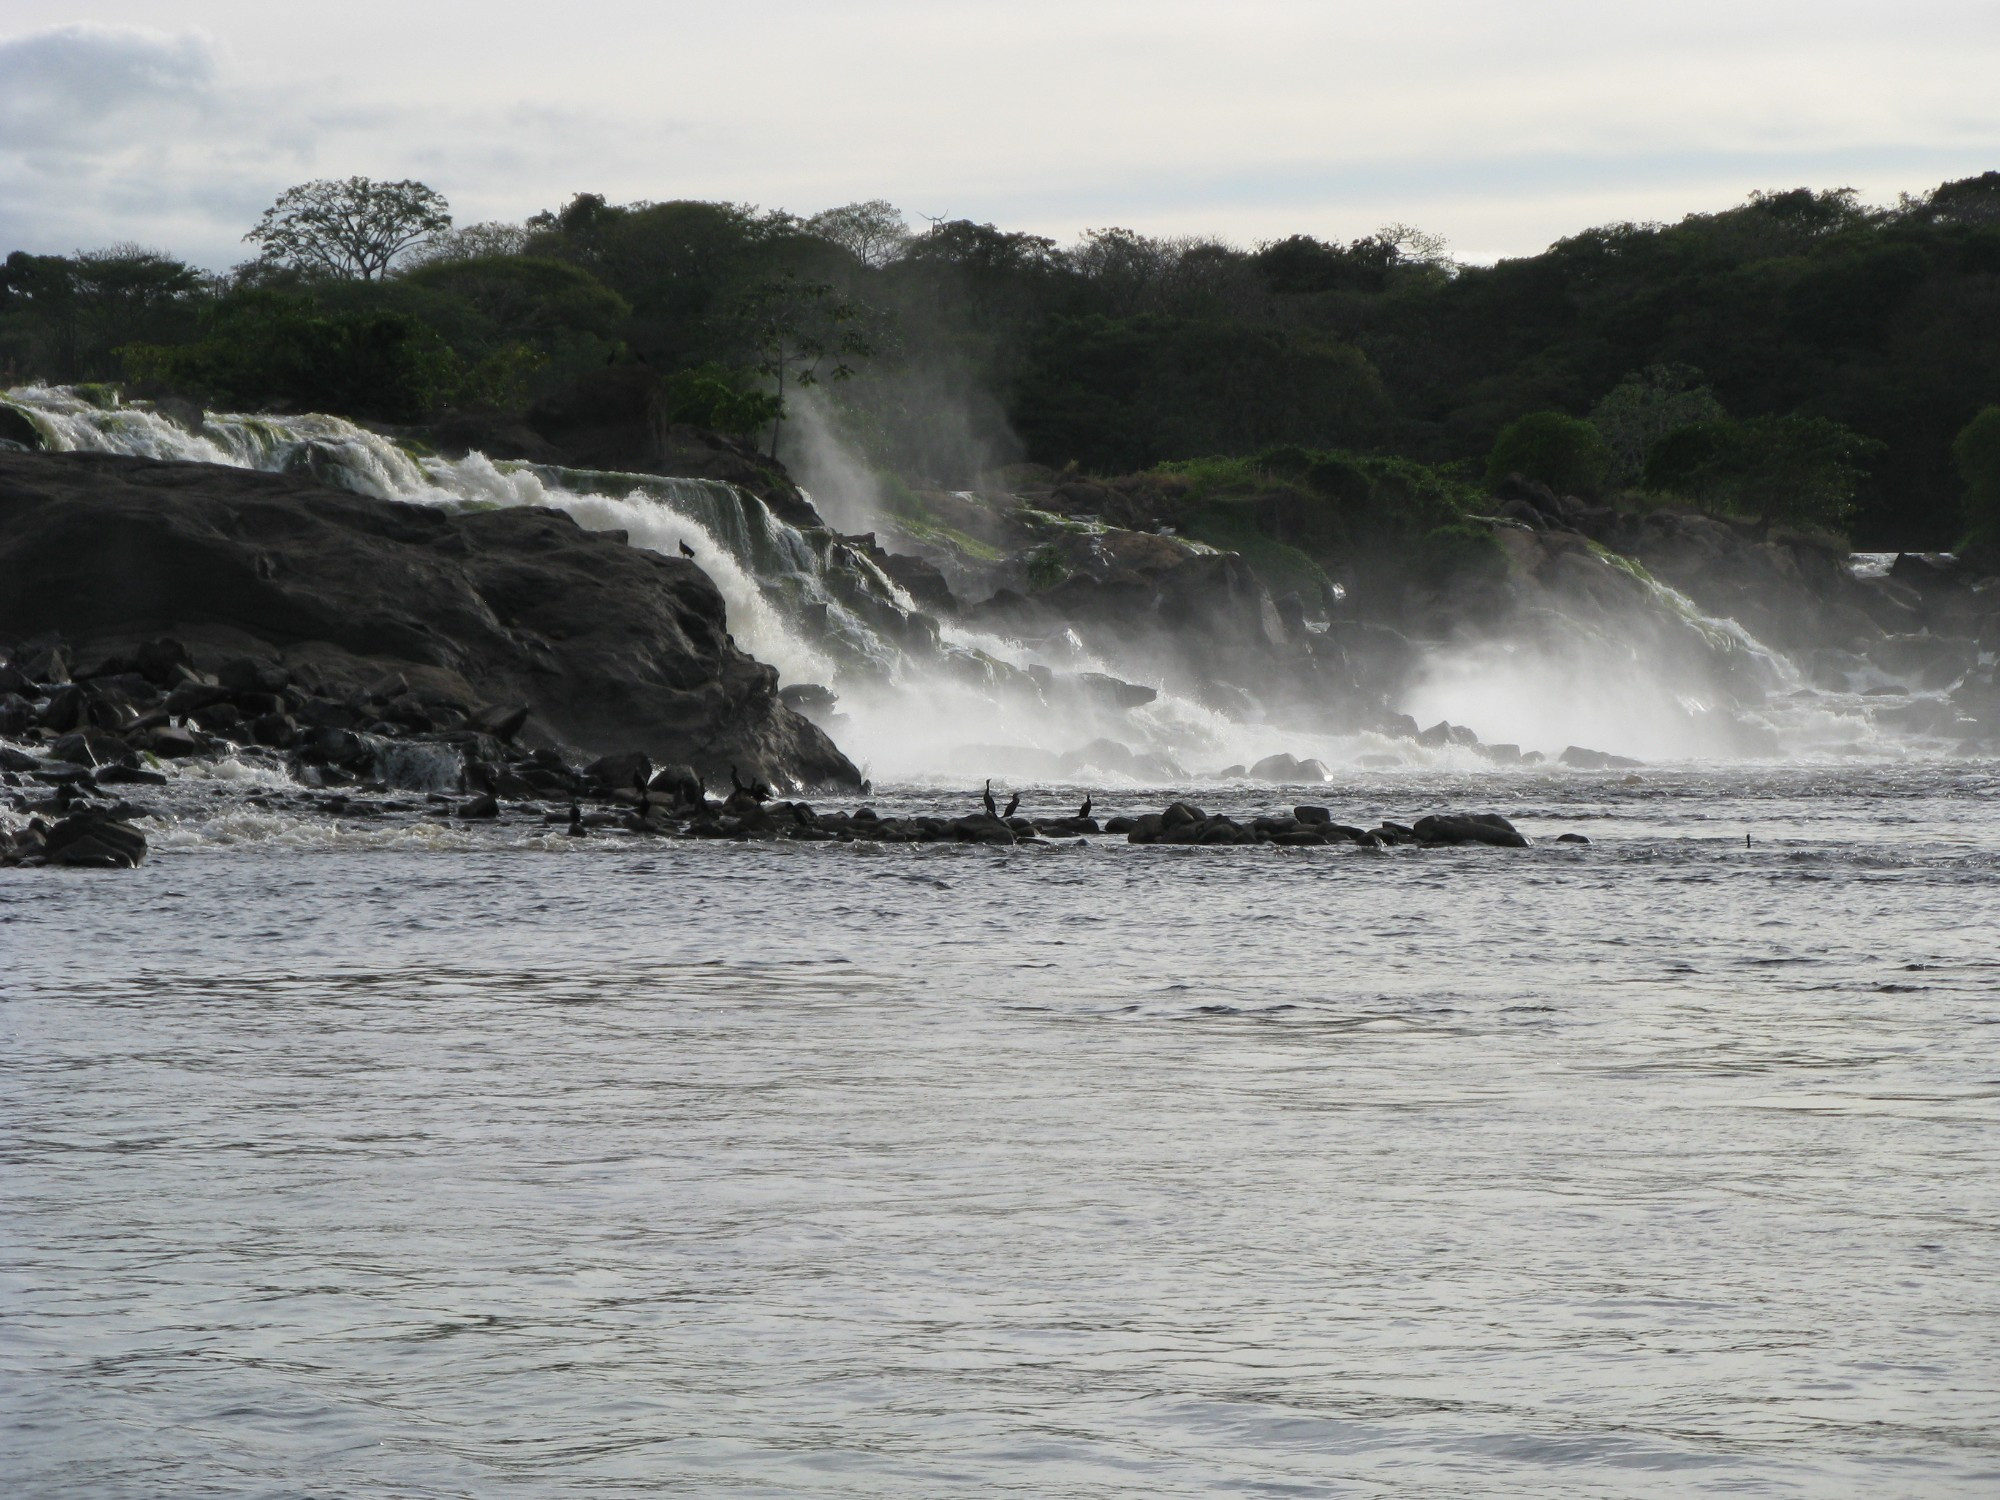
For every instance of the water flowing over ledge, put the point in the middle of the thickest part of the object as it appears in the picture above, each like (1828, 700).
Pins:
(1603, 654)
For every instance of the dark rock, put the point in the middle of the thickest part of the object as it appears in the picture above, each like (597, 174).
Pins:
(130, 776)
(1469, 828)
(90, 747)
(248, 675)
(502, 723)
(16, 714)
(1288, 769)
(220, 718)
(1580, 759)
(629, 770)
(611, 645)
(16, 428)
(1180, 813)
(93, 843)
(1571, 838)
(45, 664)
(1317, 817)
(478, 807)
(64, 710)
(808, 698)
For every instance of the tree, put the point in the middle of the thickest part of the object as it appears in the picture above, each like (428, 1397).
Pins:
(795, 326)
(874, 232)
(1566, 454)
(353, 229)
(1795, 470)
(1977, 454)
(1644, 407)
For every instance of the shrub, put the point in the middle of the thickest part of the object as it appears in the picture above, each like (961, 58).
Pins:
(1565, 453)
(1796, 470)
(1977, 454)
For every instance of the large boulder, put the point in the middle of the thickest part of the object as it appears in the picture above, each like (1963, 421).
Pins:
(610, 646)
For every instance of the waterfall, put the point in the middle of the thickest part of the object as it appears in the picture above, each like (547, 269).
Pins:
(923, 700)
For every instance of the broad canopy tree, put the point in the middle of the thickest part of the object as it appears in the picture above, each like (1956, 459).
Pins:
(353, 229)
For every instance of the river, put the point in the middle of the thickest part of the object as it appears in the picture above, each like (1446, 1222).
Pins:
(390, 1160)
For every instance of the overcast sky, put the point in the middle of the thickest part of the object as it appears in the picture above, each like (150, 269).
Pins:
(1499, 125)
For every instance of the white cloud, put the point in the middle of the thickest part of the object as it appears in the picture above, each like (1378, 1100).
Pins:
(1501, 126)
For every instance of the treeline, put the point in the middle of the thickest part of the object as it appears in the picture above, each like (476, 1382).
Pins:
(1802, 356)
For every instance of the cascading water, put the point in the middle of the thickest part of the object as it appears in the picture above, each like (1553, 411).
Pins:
(921, 703)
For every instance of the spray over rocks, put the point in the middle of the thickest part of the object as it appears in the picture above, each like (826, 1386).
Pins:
(1050, 627)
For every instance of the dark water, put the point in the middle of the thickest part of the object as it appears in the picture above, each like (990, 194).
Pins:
(1661, 1167)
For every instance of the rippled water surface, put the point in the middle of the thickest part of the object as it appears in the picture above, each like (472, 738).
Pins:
(1658, 1167)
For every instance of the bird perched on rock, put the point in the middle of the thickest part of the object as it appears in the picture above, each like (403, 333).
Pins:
(992, 807)
(576, 830)
(756, 789)
(1013, 805)
(1084, 811)
(687, 552)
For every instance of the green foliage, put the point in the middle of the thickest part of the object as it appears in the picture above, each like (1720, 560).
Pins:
(351, 228)
(1283, 568)
(1120, 394)
(1046, 567)
(1463, 551)
(1795, 470)
(711, 396)
(1976, 451)
(1568, 455)
(1643, 408)
(267, 349)
(62, 317)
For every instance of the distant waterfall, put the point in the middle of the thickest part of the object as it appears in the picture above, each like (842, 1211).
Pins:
(920, 701)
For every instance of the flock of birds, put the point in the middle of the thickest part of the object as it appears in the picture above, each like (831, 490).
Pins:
(994, 810)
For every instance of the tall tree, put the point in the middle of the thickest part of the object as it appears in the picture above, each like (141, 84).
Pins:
(795, 326)
(353, 229)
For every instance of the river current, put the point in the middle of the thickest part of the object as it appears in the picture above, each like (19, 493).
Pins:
(397, 1160)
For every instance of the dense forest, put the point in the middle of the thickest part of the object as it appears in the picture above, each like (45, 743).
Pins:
(1802, 356)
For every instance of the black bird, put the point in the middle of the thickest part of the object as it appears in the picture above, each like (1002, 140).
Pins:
(992, 807)
(755, 789)
(575, 821)
(687, 552)
(1013, 805)
(1084, 811)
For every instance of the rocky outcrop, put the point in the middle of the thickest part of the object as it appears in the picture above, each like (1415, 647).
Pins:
(607, 646)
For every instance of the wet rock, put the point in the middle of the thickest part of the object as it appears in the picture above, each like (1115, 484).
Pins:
(90, 747)
(628, 770)
(93, 843)
(43, 663)
(171, 742)
(1317, 817)
(479, 807)
(1469, 828)
(248, 675)
(1288, 769)
(978, 828)
(611, 645)
(1580, 759)
(502, 723)
(1571, 838)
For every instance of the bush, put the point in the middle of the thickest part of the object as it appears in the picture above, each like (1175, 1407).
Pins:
(272, 348)
(1461, 552)
(1566, 454)
(1795, 470)
(708, 396)
(1977, 454)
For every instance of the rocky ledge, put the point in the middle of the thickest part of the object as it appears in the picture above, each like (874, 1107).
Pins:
(173, 608)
